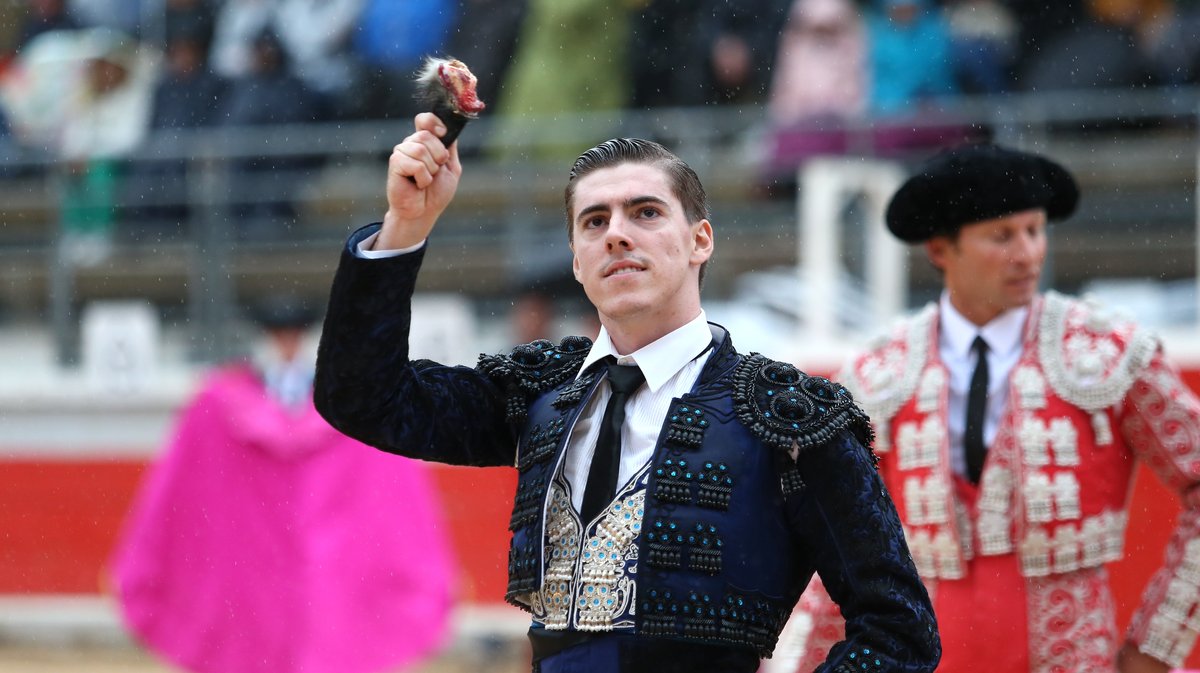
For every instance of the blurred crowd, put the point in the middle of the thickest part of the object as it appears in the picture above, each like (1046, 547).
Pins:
(260, 61)
(88, 80)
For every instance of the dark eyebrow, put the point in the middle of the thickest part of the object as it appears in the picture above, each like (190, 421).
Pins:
(629, 203)
(640, 200)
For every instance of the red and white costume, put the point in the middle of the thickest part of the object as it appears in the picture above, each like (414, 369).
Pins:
(1020, 557)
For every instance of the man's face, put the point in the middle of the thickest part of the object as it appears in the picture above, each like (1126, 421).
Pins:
(994, 265)
(636, 255)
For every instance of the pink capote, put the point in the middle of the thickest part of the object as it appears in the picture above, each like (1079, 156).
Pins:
(264, 541)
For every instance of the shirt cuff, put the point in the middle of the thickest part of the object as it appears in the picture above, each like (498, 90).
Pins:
(365, 252)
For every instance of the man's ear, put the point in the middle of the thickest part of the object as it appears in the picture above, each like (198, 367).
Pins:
(575, 265)
(702, 242)
(936, 250)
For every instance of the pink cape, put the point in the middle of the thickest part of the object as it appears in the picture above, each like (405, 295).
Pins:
(265, 541)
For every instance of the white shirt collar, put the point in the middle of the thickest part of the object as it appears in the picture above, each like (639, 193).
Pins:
(659, 360)
(1003, 333)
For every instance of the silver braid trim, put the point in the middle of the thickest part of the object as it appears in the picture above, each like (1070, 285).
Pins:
(1091, 391)
(883, 395)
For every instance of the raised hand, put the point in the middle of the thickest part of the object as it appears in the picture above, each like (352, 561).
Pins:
(422, 179)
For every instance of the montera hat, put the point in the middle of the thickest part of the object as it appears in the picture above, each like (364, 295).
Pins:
(976, 182)
(284, 311)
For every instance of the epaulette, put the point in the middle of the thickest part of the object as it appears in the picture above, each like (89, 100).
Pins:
(884, 377)
(786, 408)
(1090, 355)
(533, 368)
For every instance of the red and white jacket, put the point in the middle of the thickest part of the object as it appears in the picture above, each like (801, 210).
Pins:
(1089, 395)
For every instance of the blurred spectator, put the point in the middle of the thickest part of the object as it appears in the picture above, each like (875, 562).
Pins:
(189, 92)
(689, 52)
(909, 55)
(1130, 13)
(983, 45)
(263, 187)
(1101, 51)
(742, 38)
(668, 60)
(45, 16)
(845, 82)
(819, 84)
(1167, 34)
(546, 299)
(188, 96)
(12, 24)
(1172, 43)
(238, 24)
(821, 70)
(85, 97)
(264, 540)
(392, 38)
(1040, 22)
(120, 15)
(269, 93)
(571, 57)
(534, 316)
(107, 124)
(317, 35)
(195, 19)
(911, 67)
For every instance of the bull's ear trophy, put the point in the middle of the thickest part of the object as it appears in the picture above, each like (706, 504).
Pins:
(447, 86)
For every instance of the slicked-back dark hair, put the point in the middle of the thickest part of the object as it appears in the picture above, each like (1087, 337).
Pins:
(684, 182)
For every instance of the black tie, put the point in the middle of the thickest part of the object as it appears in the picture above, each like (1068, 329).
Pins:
(976, 408)
(606, 463)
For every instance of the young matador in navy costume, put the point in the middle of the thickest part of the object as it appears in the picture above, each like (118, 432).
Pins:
(675, 496)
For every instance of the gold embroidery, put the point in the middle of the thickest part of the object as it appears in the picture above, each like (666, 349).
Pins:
(606, 591)
(562, 547)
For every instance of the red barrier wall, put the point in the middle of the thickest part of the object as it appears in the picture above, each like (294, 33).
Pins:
(59, 518)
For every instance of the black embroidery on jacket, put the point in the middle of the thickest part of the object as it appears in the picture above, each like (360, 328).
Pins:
(533, 368)
(784, 407)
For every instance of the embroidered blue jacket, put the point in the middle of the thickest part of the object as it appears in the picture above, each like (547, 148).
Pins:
(761, 476)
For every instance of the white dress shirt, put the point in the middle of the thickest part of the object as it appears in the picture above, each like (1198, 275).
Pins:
(1004, 339)
(671, 365)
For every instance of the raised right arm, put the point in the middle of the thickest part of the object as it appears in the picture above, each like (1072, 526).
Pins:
(365, 384)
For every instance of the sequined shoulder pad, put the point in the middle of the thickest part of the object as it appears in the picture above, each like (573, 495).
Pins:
(786, 408)
(1089, 355)
(534, 368)
(886, 375)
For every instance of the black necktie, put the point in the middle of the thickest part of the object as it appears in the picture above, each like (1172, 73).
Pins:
(976, 408)
(606, 463)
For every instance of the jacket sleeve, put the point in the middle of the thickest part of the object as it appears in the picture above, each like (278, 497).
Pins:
(367, 387)
(1160, 420)
(859, 551)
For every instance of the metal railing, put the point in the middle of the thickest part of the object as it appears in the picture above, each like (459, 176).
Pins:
(206, 219)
